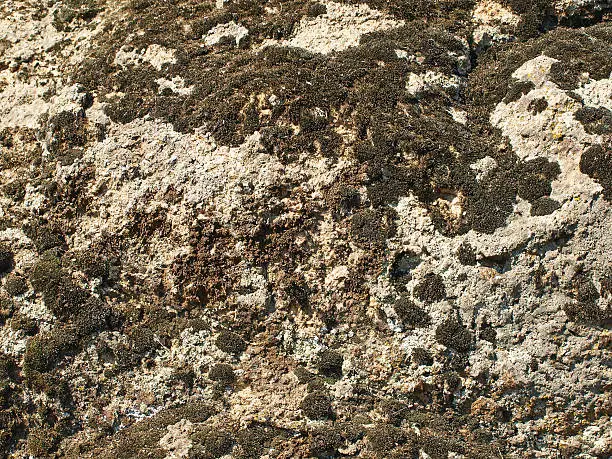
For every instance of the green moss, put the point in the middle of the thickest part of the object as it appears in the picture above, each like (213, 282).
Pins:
(231, 343)
(7, 258)
(453, 334)
(316, 405)
(45, 350)
(330, 363)
(410, 314)
(15, 285)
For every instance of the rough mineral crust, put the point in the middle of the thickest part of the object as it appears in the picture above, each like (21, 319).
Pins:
(295, 229)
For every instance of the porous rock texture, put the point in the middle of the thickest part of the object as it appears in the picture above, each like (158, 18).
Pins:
(291, 229)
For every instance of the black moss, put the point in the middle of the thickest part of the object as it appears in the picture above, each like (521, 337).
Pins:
(316, 405)
(6, 258)
(595, 120)
(231, 343)
(596, 162)
(410, 314)
(430, 289)
(453, 334)
(330, 363)
(489, 334)
(223, 373)
(544, 206)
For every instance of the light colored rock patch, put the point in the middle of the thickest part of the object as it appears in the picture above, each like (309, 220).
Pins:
(176, 85)
(227, 31)
(176, 442)
(553, 133)
(338, 29)
(490, 19)
(597, 93)
(154, 54)
(22, 103)
(422, 82)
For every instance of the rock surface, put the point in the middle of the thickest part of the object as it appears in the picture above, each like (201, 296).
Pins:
(285, 229)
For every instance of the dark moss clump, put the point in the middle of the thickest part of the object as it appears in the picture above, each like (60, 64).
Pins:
(466, 254)
(410, 314)
(596, 162)
(384, 438)
(517, 90)
(316, 405)
(430, 289)
(342, 199)
(422, 356)
(222, 373)
(45, 237)
(255, 439)
(303, 375)
(488, 333)
(330, 363)
(73, 10)
(42, 441)
(595, 120)
(68, 299)
(24, 323)
(453, 334)
(231, 343)
(211, 443)
(15, 190)
(46, 274)
(585, 308)
(538, 105)
(324, 442)
(6, 258)
(536, 177)
(15, 285)
(44, 351)
(371, 228)
(544, 206)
